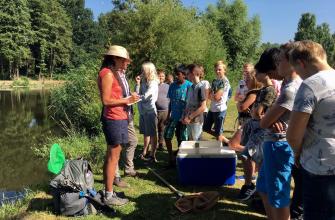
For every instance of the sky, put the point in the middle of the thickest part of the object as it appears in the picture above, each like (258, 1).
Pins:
(279, 18)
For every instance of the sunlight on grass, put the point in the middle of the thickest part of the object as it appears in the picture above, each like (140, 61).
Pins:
(150, 199)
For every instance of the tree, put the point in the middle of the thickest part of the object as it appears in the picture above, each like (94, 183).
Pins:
(15, 36)
(88, 37)
(240, 35)
(309, 30)
(306, 27)
(163, 32)
(52, 35)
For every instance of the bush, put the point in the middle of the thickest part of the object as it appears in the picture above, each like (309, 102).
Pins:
(77, 104)
(21, 82)
(77, 145)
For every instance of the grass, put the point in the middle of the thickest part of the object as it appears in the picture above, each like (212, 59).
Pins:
(150, 199)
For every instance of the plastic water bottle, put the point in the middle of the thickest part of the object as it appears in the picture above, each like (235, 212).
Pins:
(197, 147)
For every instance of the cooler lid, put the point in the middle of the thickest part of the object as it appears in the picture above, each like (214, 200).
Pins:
(201, 144)
(206, 152)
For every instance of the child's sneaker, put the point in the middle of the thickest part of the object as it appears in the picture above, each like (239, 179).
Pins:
(115, 200)
(247, 191)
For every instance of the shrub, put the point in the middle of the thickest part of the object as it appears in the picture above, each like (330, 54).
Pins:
(77, 145)
(77, 104)
(21, 82)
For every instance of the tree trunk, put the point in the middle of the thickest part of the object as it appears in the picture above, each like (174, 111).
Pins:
(10, 70)
(2, 72)
(51, 62)
(16, 70)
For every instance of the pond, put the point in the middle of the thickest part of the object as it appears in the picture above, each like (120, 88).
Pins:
(25, 123)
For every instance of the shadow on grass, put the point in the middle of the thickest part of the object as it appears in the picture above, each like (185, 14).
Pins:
(40, 204)
(161, 206)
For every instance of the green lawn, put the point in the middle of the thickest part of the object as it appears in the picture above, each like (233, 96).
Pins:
(150, 199)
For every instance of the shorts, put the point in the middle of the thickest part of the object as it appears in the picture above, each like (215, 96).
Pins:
(176, 127)
(216, 118)
(148, 124)
(274, 177)
(194, 131)
(115, 131)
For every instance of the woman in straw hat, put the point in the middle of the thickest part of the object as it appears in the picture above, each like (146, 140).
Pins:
(115, 97)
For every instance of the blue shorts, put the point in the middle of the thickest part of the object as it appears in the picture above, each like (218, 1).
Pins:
(216, 118)
(274, 177)
(115, 131)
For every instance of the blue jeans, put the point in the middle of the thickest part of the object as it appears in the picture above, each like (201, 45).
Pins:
(216, 118)
(318, 196)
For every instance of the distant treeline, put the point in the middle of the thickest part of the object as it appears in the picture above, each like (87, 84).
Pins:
(39, 38)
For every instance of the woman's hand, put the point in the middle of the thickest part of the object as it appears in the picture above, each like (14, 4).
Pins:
(133, 98)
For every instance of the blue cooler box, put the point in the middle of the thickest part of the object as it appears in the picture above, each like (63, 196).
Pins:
(206, 163)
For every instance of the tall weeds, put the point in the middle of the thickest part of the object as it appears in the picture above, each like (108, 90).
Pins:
(76, 105)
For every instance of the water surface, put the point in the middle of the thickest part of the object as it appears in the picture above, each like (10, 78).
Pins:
(24, 123)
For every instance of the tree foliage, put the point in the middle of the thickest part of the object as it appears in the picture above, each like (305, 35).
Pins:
(52, 35)
(163, 32)
(88, 37)
(15, 35)
(240, 34)
(77, 104)
(34, 34)
(309, 30)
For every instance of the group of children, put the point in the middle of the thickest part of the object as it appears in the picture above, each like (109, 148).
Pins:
(181, 107)
(277, 141)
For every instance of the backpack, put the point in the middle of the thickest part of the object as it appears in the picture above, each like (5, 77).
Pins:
(72, 187)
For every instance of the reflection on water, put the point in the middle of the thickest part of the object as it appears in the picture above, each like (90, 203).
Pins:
(24, 123)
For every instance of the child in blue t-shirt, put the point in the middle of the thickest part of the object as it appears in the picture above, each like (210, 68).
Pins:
(177, 95)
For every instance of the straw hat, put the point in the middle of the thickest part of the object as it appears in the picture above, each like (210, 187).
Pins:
(118, 51)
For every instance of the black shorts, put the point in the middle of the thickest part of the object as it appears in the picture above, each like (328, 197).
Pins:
(116, 131)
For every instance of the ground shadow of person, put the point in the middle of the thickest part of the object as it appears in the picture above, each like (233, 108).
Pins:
(160, 206)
